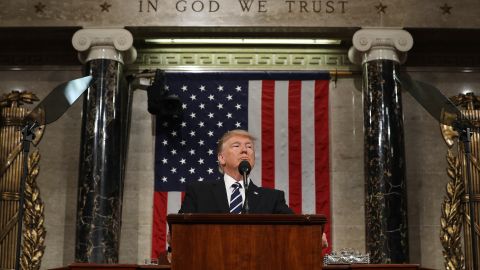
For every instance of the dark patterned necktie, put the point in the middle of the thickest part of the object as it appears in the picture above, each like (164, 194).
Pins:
(236, 199)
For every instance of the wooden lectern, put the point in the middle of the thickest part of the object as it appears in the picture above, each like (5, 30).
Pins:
(252, 241)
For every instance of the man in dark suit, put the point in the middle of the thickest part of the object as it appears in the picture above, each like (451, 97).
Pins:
(220, 196)
(228, 196)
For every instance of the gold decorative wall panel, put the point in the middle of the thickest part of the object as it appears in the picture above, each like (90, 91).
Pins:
(11, 169)
(455, 208)
(33, 246)
(10, 137)
(452, 212)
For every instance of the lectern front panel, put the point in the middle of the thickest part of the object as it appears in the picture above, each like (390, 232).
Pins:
(241, 245)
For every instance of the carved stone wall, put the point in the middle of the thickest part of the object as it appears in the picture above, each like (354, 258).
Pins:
(294, 13)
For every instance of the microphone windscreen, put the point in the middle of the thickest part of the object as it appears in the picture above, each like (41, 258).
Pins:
(244, 167)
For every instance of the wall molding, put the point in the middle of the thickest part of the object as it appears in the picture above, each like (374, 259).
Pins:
(244, 59)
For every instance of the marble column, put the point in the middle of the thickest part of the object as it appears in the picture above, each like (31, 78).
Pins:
(105, 128)
(380, 52)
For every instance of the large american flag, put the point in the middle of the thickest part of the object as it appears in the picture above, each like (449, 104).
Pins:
(286, 112)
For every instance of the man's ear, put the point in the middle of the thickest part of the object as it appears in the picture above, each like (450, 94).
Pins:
(221, 160)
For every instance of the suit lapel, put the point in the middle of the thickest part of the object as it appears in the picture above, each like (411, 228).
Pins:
(253, 196)
(220, 195)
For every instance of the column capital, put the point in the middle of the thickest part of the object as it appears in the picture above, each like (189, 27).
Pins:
(380, 43)
(104, 43)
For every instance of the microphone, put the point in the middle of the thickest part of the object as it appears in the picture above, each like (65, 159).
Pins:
(244, 169)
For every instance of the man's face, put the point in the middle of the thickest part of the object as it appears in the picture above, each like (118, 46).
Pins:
(234, 150)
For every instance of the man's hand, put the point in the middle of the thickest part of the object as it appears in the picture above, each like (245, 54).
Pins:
(324, 241)
(169, 250)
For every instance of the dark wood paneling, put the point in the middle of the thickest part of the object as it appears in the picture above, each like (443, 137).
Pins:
(246, 242)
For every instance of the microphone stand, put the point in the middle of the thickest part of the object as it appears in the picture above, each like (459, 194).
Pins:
(246, 209)
(28, 135)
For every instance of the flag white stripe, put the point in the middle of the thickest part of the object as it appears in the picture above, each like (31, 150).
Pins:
(174, 202)
(255, 126)
(308, 146)
(281, 137)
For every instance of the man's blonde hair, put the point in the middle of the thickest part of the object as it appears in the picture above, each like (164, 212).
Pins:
(228, 135)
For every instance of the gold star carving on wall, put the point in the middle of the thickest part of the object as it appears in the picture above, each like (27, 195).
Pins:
(39, 7)
(105, 7)
(445, 9)
(381, 8)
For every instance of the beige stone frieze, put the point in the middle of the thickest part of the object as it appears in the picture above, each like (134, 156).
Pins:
(244, 59)
(246, 13)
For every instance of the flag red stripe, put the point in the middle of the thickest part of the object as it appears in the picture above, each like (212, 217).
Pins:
(159, 226)
(268, 134)
(295, 146)
(322, 183)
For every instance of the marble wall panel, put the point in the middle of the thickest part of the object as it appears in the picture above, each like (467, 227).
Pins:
(352, 236)
(350, 184)
(346, 126)
(135, 239)
(346, 165)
